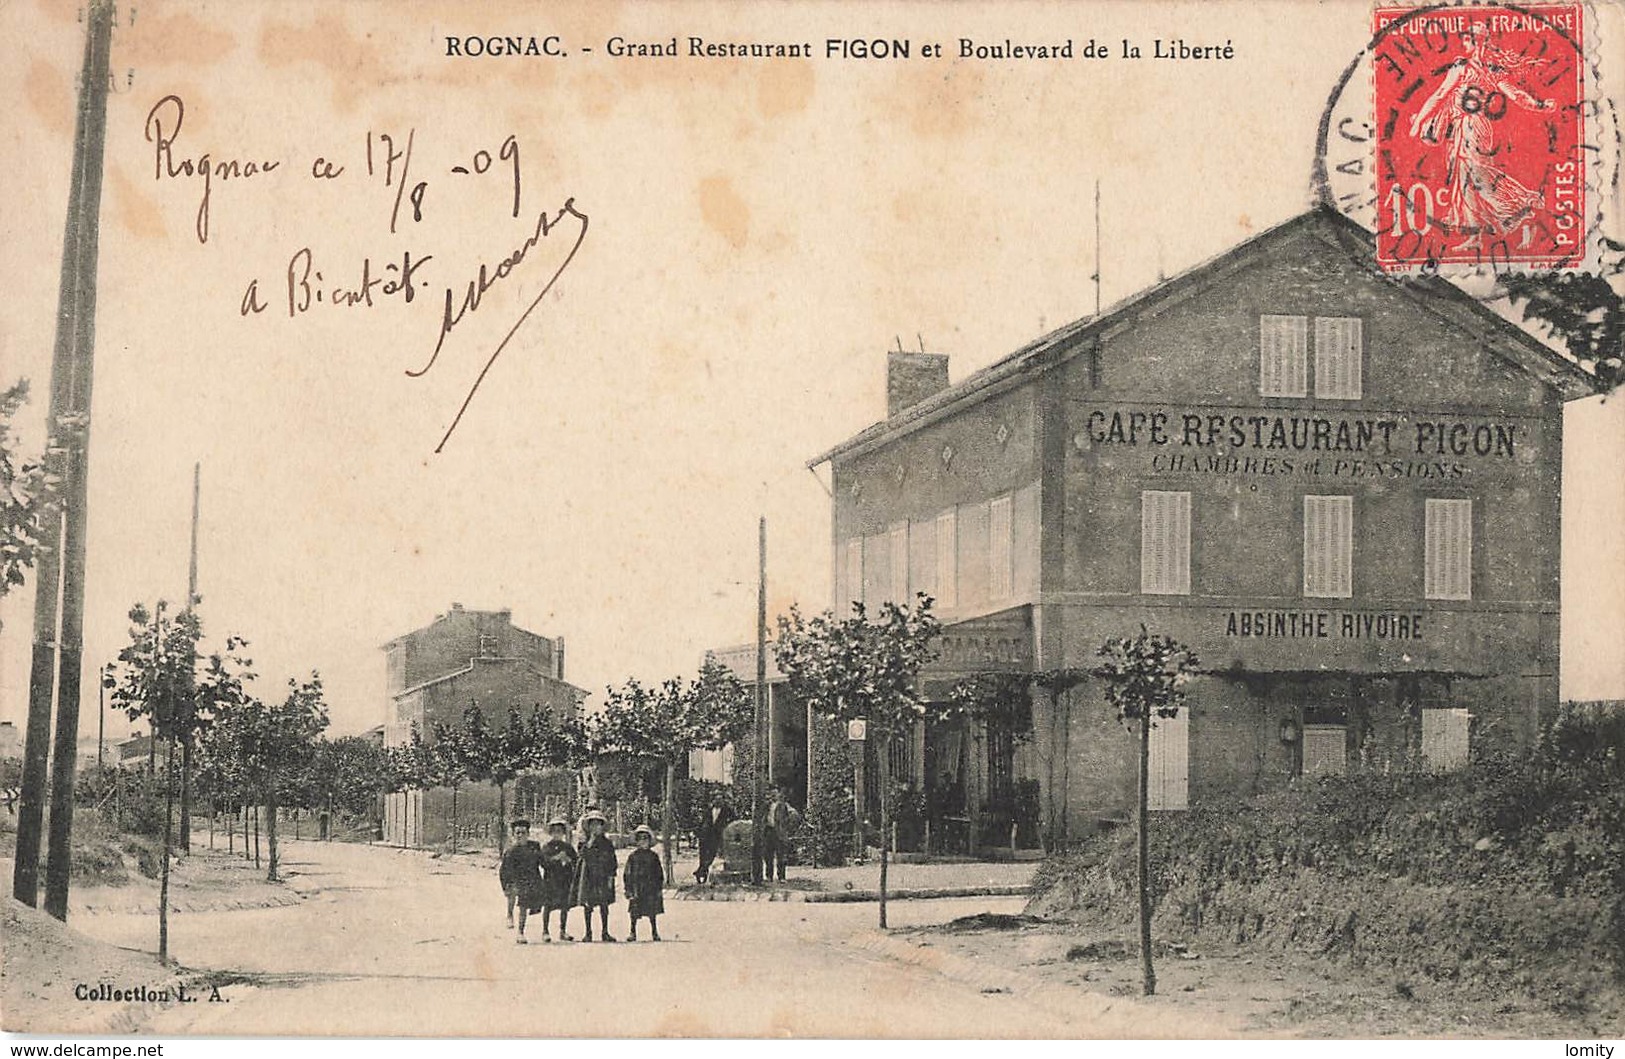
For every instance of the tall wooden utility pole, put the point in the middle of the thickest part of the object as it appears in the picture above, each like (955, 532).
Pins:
(761, 766)
(188, 730)
(58, 633)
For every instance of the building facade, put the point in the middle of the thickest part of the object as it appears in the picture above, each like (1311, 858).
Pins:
(787, 730)
(433, 674)
(1341, 489)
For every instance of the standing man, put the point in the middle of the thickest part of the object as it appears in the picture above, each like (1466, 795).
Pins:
(717, 816)
(777, 830)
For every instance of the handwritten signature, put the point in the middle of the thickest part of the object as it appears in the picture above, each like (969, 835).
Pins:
(474, 294)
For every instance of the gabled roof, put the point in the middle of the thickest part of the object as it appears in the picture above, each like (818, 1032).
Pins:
(472, 662)
(1432, 293)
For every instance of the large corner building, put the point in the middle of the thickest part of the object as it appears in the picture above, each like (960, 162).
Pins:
(1340, 488)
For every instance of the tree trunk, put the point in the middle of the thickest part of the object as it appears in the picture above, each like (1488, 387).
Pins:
(270, 832)
(212, 814)
(186, 794)
(502, 817)
(452, 840)
(665, 823)
(1143, 857)
(884, 763)
(256, 836)
(163, 869)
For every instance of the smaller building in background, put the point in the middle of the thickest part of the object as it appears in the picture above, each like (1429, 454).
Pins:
(433, 674)
(787, 729)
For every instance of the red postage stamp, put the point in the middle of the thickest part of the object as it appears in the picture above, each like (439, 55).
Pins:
(1479, 114)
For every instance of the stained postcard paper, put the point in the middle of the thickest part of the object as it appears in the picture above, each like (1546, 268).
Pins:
(476, 371)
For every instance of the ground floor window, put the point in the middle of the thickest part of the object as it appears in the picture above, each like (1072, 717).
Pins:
(1325, 749)
(1444, 737)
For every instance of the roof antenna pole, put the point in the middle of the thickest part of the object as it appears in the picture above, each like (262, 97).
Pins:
(1096, 276)
(921, 339)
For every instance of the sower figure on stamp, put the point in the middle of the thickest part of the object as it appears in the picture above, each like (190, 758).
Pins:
(645, 881)
(558, 878)
(1485, 201)
(521, 877)
(595, 874)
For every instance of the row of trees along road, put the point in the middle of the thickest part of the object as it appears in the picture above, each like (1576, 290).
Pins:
(868, 669)
(473, 750)
(201, 710)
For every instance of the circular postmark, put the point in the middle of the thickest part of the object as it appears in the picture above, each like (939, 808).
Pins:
(1472, 140)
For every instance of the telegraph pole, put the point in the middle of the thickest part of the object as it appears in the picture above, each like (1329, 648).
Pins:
(189, 730)
(761, 766)
(92, 124)
(54, 670)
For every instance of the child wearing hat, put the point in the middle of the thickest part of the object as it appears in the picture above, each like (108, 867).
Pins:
(645, 880)
(558, 860)
(521, 876)
(595, 873)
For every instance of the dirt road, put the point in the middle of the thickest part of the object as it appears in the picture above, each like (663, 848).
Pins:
(394, 943)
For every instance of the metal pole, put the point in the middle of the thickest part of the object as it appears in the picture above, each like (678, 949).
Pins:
(92, 124)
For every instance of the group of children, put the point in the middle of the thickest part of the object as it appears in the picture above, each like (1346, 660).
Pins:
(553, 876)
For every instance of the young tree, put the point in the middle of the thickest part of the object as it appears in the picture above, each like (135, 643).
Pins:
(277, 741)
(672, 720)
(348, 775)
(1145, 677)
(860, 669)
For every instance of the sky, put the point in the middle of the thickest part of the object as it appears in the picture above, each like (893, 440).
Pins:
(756, 236)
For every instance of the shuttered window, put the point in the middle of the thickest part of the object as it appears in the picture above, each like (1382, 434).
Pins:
(1337, 357)
(1165, 543)
(1325, 750)
(1283, 356)
(897, 544)
(1328, 546)
(947, 560)
(1448, 550)
(1168, 781)
(852, 590)
(1000, 553)
(1444, 737)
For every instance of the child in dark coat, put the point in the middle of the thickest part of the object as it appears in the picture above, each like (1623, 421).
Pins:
(521, 877)
(595, 874)
(558, 859)
(645, 880)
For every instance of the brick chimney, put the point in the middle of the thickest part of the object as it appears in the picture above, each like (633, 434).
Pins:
(912, 377)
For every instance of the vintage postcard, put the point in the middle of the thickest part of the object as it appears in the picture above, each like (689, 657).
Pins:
(924, 520)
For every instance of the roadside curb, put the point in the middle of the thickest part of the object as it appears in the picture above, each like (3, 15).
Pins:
(929, 893)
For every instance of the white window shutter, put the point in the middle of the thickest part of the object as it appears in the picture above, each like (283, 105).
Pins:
(1283, 362)
(852, 591)
(1338, 355)
(1447, 553)
(1325, 750)
(947, 560)
(1445, 737)
(1328, 546)
(1001, 574)
(897, 542)
(1165, 546)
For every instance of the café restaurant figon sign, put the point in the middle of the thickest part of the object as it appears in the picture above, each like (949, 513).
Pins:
(1279, 442)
